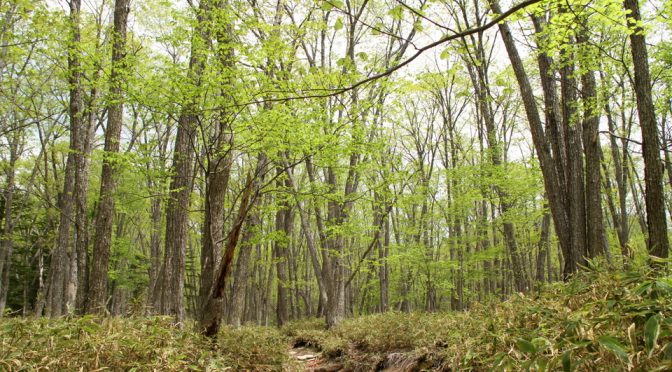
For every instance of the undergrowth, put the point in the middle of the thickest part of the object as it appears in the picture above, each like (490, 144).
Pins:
(597, 321)
(142, 344)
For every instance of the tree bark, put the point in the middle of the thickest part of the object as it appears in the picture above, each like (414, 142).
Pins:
(105, 211)
(596, 235)
(212, 308)
(280, 247)
(59, 268)
(177, 209)
(658, 244)
(7, 239)
(552, 176)
(241, 276)
(575, 182)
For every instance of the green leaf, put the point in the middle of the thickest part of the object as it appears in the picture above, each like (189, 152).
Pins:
(326, 5)
(445, 54)
(651, 333)
(567, 361)
(417, 26)
(339, 24)
(526, 346)
(397, 12)
(614, 346)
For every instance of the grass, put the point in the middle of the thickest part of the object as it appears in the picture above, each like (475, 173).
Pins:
(598, 321)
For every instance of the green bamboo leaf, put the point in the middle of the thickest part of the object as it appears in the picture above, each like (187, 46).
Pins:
(526, 346)
(614, 346)
(567, 361)
(651, 333)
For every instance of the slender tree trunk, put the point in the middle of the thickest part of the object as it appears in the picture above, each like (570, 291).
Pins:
(283, 225)
(153, 301)
(544, 247)
(241, 276)
(658, 244)
(7, 239)
(621, 176)
(81, 201)
(552, 179)
(596, 234)
(280, 247)
(59, 268)
(102, 243)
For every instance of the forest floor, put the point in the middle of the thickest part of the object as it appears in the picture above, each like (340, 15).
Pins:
(599, 320)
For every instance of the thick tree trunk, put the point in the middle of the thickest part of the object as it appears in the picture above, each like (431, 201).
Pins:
(212, 308)
(102, 243)
(219, 162)
(177, 209)
(217, 181)
(575, 180)
(657, 243)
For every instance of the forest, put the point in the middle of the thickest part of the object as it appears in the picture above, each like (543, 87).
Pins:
(335, 185)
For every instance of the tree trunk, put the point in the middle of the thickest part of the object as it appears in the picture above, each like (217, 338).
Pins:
(283, 226)
(596, 235)
(241, 276)
(81, 200)
(6, 239)
(212, 308)
(102, 243)
(177, 209)
(544, 248)
(217, 180)
(658, 244)
(552, 185)
(59, 268)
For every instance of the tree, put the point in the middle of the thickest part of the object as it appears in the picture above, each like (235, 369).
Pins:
(105, 210)
(62, 282)
(656, 221)
(173, 267)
